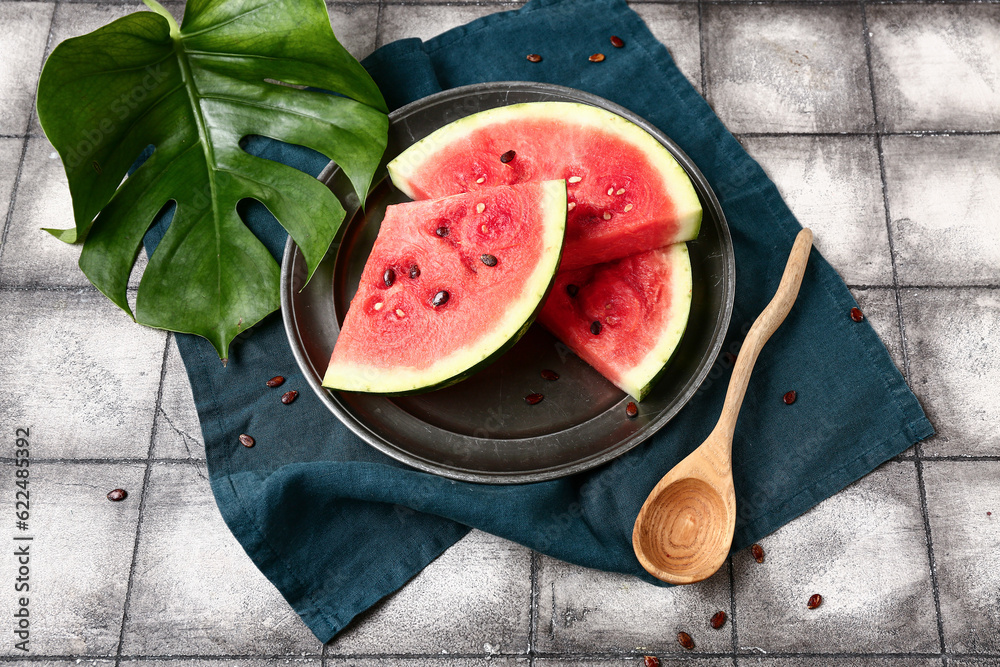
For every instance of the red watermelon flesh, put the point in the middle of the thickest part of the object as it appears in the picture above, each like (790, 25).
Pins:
(625, 318)
(627, 193)
(448, 285)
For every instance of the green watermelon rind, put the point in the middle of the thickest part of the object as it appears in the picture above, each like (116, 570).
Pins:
(676, 181)
(465, 362)
(641, 378)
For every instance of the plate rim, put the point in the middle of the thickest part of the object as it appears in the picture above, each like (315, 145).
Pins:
(422, 464)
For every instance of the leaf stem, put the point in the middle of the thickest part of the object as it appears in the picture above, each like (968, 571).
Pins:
(175, 31)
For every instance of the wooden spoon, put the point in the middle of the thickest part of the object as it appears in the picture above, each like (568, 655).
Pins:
(685, 527)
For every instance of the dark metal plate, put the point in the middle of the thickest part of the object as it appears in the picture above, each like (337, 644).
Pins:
(481, 430)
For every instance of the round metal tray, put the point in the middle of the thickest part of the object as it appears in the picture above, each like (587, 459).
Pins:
(481, 430)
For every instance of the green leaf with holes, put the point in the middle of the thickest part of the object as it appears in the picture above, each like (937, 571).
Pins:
(233, 68)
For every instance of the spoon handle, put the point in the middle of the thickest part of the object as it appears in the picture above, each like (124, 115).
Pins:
(765, 325)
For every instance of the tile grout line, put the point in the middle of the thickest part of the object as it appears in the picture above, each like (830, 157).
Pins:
(533, 608)
(702, 51)
(378, 23)
(918, 463)
(24, 144)
(142, 500)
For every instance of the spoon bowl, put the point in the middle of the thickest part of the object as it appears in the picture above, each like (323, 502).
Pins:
(685, 528)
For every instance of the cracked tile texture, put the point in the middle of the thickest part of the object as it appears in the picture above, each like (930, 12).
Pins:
(879, 122)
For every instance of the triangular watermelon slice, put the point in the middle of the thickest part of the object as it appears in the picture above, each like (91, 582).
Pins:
(627, 193)
(449, 284)
(625, 318)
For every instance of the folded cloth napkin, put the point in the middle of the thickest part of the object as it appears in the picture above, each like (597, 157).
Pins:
(336, 525)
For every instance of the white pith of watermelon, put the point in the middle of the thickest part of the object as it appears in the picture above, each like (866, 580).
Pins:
(395, 341)
(627, 191)
(642, 303)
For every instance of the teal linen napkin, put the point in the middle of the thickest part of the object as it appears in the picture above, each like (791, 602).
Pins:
(336, 525)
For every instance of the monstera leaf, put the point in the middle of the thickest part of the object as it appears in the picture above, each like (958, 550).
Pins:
(233, 68)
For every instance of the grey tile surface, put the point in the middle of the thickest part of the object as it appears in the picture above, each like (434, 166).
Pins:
(676, 26)
(586, 611)
(79, 372)
(936, 67)
(192, 574)
(952, 342)
(944, 194)
(787, 68)
(832, 185)
(966, 541)
(474, 599)
(178, 431)
(354, 26)
(87, 380)
(32, 257)
(79, 560)
(879, 307)
(24, 30)
(426, 21)
(864, 551)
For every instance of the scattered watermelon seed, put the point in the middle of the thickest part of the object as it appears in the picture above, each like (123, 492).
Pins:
(389, 277)
(607, 216)
(857, 315)
(570, 206)
(481, 180)
(650, 661)
(632, 410)
(276, 381)
(488, 260)
(440, 299)
(815, 600)
(718, 620)
(507, 157)
(117, 495)
(549, 375)
(572, 290)
(378, 306)
(595, 327)
(596, 58)
(628, 207)
(289, 396)
(620, 191)
(533, 399)
(534, 57)
(246, 440)
(414, 271)
(575, 179)
(441, 231)
(758, 553)
(684, 639)
(789, 397)
(617, 42)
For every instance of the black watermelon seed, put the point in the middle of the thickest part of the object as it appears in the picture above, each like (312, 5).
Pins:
(572, 290)
(534, 57)
(414, 271)
(533, 399)
(617, 41)
(276, 381)
(440, 299)
(632, 410)
(246, 440)
(507, 157)
(857, 315)
(289, 396)
(488, 260)
(441, 231)
(789, 397)
(389, 277)
(117, 495)
(549, 375)
(595, 327)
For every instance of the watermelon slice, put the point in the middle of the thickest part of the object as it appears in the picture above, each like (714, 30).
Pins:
(624, 318)
(627, 193)
(449, 284)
